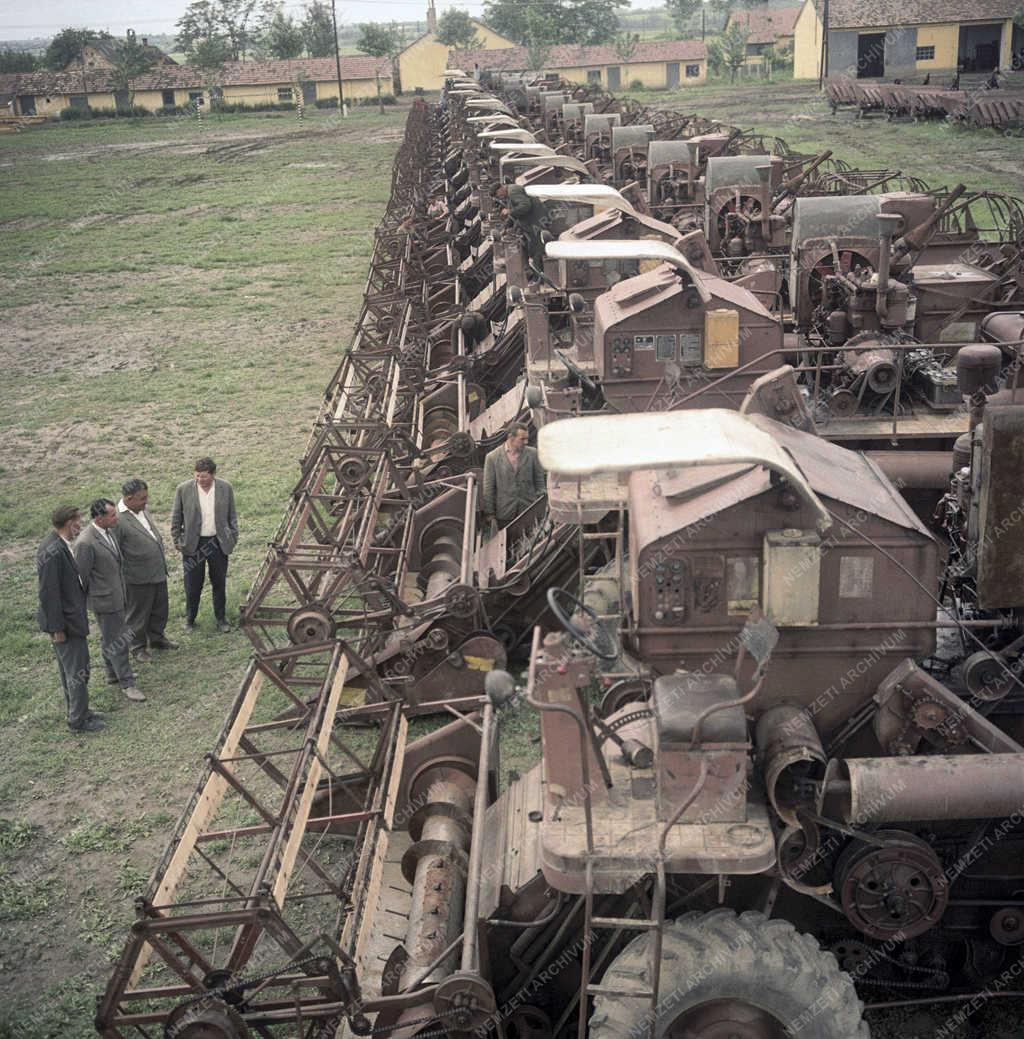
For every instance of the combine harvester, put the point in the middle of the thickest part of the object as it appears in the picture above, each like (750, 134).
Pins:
(779, 711)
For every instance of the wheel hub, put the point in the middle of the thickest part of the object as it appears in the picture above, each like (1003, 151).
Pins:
(727, 1019)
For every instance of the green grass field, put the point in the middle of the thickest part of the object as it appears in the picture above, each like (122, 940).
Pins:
(169, 289)
(173, 289)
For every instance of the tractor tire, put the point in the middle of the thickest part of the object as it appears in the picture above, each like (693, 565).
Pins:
(718, 968)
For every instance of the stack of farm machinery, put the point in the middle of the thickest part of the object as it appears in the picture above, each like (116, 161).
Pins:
(769, 614)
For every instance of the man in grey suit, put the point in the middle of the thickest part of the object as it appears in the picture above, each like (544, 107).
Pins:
(145, 571)
(62, 615)
(204, 528)
(99, 565)
(513, 477)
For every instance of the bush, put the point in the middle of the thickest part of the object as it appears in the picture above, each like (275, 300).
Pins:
(637, 84)
(73, 113)
(332, 102)
(174, 110)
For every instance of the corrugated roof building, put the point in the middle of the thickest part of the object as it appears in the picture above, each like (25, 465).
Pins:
(246, 82)
(907, 39)
(655, 64)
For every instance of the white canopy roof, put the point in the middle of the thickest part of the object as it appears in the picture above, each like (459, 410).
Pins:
(668, 440)
(639, 249)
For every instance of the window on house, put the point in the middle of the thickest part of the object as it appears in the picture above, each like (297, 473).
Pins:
(195, 96)
(167, 98)
(593, 75)
(692, 71)
(284, 93)
(78, 101)
(925, 54)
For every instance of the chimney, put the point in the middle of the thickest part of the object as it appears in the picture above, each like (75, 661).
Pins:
(431, 17)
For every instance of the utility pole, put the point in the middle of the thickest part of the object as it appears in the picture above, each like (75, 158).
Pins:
(823, 62)
(703, 19)
(337, 60)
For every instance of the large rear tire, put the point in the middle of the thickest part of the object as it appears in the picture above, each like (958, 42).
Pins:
(724, 975)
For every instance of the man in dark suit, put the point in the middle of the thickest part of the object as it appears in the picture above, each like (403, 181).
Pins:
(145, 571)
(62, 615)
(204, 528)
(99, 565)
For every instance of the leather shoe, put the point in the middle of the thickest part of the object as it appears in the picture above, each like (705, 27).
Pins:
(89, 725)
(164, 644)
(134, 693)
(143, 656)
(222, 625)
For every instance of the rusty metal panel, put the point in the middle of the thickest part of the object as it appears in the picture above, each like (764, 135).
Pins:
(1001, 515)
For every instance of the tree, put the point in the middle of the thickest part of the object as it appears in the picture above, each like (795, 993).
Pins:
(626, 44)
(281, 35)
(729, 50)
(572, 21)
(318, 30)
(209, 56)
(229, 21)
(17, 61)
(682, 11)
(133, 59)
(541, 34)
(67, 46)
(379, 41)
(455, 29)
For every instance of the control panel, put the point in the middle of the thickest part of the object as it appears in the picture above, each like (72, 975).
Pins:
(666, 593)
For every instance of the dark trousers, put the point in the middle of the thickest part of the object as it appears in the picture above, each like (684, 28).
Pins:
(208, 554)
(73, 662)
(116, 639)
(147, 612)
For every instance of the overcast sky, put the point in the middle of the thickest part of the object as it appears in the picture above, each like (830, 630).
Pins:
(24, 19)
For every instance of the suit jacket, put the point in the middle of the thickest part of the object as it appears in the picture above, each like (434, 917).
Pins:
(187, 517)
(101, 569)
(142, 554)
(61, 595)
(507, 491)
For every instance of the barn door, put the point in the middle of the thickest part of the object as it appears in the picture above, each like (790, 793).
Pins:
(672, 73)
(614, 77)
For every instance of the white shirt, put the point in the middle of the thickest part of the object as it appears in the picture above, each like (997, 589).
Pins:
(207, 500)
(106, 537)
(140, 516)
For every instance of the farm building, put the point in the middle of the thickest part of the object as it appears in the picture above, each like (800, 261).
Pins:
(248, 82)
(875, 39)
(421, 65)
(656, 64)
(104, 53)
(768, 29)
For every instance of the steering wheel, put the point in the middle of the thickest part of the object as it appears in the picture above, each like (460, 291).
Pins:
(603, 645)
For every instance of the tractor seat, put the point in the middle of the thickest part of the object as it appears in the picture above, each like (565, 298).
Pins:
(679, 700)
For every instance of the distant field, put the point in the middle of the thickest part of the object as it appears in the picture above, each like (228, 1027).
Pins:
(169, 289)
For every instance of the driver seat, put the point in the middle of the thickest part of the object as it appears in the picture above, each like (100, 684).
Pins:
(678, 700)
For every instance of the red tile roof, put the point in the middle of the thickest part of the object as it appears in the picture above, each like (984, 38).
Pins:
(768, 24)
(871, 14)
(567, 56)
(185, 77)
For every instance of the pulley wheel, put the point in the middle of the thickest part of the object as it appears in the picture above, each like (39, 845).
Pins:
(986, 677)
(896, 891)
(310, 624)
(208, 1019)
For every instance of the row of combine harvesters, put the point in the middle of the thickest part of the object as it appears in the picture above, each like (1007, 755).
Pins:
(768, 617)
